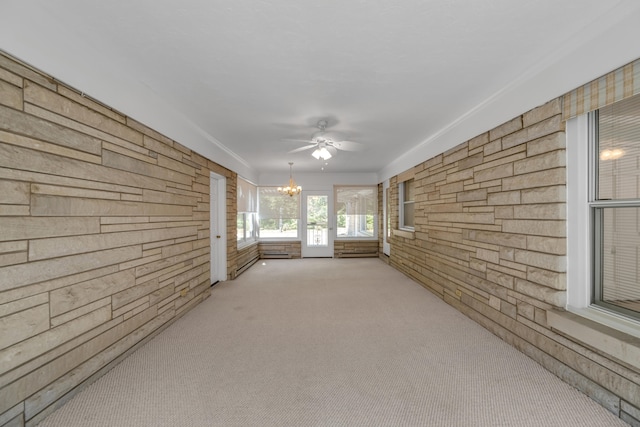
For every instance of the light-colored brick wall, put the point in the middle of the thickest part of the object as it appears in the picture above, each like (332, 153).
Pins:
(490, 239)
(104, 237)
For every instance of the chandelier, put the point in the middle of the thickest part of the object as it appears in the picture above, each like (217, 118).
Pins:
(292, 189)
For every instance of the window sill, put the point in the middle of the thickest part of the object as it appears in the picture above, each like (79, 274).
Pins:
(610, 334)
(407, 234)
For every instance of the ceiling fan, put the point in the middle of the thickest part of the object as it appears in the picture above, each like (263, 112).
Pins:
(326, 143)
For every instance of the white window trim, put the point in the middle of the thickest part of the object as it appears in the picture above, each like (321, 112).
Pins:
(578, 229)
(579, 262)
(401, 225)
(247, 241)
(298, 236)
(597, 327)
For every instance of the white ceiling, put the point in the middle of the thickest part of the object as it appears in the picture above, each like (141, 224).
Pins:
(408, 79)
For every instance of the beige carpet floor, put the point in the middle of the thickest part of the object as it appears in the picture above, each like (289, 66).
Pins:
(327, 342)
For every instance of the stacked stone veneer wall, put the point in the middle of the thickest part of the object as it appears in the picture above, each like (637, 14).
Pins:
(277, 249)
(355, 248)
(104, 238)
(245, 258)
(490, 221)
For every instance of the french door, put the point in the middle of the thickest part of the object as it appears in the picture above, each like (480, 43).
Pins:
(317, 228)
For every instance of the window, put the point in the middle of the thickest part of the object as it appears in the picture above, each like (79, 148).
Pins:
(406, 190)
(278, 214)
(614, 205)
(356, 211)
(388, 214)
(600, 204)
(246, 227)
(246, 217)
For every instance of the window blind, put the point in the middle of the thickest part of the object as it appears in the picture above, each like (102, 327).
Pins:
(619, 150)
(275, 205)
(356, 200)
(247, 196)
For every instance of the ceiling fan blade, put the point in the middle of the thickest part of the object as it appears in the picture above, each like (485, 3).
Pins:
(308, 147)
(297, 140)
(348, 145)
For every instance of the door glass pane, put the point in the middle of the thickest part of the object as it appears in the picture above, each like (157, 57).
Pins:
(317, 225)
(620, 257)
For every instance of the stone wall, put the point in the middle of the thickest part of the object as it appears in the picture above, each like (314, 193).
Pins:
(355, 248)
(489, 239)
(280, 249)
(245, 258)
(104, 237)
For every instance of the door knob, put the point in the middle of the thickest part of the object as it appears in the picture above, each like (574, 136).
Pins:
(217, 237)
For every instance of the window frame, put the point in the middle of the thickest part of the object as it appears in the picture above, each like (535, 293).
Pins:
(597, 208)
(245, 215)
(298, 219)
(580, 263)
(402, 203)
(387, 236)
(374, 191)
(249, 233)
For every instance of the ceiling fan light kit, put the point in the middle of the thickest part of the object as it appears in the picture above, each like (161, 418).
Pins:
(292, 189)
(321, 153)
